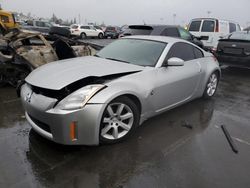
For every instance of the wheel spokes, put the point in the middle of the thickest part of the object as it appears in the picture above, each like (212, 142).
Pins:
(124, 126)
(105, 130)
(117, 122)
(126, 116)
(110, 111)
(115, 132)
(120, 109)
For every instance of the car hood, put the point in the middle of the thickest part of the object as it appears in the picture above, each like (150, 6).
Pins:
(59, 74)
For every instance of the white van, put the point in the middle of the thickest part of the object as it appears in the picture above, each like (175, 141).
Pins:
(210, 30)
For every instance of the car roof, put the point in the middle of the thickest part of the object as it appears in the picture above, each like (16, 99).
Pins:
(152, 26)
(157, 38)
(198, 19)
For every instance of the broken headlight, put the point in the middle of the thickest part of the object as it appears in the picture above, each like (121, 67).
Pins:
(79, 98)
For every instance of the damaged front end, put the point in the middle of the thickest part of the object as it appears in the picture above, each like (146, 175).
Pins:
(22, 51)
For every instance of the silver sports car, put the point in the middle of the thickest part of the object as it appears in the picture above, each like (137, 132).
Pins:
(103, 98)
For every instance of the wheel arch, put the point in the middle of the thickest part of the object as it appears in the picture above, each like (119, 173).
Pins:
(132, 97)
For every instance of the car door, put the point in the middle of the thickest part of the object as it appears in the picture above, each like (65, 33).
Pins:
(86, 30)
(177, 84)
(94, 32)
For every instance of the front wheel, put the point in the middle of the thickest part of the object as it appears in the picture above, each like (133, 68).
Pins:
(211, 85)
(100, 36)
(119, 120)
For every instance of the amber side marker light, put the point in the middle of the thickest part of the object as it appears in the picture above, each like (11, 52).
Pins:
(73, 131)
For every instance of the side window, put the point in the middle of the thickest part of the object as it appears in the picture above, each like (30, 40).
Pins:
(185, 34)
(40, 24)
(172, 32)
(195, 26)
(232, 27)
(208, 26)
(198, 53)
(238, 27)
(5, 19)
(181, 50)
(30, 22)
(85, 27)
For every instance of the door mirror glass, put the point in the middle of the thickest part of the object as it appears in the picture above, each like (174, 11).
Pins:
(175, 61)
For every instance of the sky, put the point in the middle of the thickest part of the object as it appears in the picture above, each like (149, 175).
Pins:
(120, 12)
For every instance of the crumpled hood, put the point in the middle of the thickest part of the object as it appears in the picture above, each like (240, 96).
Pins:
(59, 74)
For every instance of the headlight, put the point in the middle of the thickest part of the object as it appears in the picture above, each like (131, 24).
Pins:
(79, 98)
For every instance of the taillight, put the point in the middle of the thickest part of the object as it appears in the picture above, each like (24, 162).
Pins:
(217, 26)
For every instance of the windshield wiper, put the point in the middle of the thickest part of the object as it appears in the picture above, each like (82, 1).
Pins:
(96, 55)
(117, 60)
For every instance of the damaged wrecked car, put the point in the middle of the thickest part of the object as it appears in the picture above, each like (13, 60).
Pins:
(103, 98)
(23, 51)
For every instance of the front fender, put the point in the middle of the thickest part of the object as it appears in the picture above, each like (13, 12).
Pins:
(116, 89)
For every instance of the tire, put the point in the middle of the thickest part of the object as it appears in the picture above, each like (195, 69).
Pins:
(83, 36)
(100, 36)
(211, 85)
(119, 120)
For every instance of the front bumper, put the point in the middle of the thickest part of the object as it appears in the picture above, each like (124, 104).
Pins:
(55, 124)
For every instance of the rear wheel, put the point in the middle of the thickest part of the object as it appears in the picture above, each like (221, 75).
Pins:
(211, 86)
(119, 120)
(83, 36)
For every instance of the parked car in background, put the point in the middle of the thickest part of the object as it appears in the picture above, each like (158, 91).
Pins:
(112, 32)
(234, 50)
(42, 26)
(8, 21)
(103, 98)
(84, 31)
(210, 30)
(162, 30)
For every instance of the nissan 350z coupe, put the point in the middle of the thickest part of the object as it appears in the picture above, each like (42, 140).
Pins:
(103, 98)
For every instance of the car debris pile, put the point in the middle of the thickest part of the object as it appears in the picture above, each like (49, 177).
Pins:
(22, 51)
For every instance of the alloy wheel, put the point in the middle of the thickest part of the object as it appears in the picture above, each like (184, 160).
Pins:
(212, 85)
(117, 121)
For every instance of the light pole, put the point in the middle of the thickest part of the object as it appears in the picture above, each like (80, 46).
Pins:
(208, 13)
(174, 16)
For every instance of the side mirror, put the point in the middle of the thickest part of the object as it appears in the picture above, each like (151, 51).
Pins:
(175, 61)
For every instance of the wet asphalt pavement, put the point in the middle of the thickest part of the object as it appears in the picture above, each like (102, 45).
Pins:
(162, 153)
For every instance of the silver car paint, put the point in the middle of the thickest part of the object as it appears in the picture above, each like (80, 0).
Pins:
(59, 74)
(157, 88)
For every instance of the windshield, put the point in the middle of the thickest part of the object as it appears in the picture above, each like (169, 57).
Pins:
(240, 36)
(134, 51)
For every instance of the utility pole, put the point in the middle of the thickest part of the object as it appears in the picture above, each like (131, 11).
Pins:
(174, 17)
(208, 13)
(79, 16)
